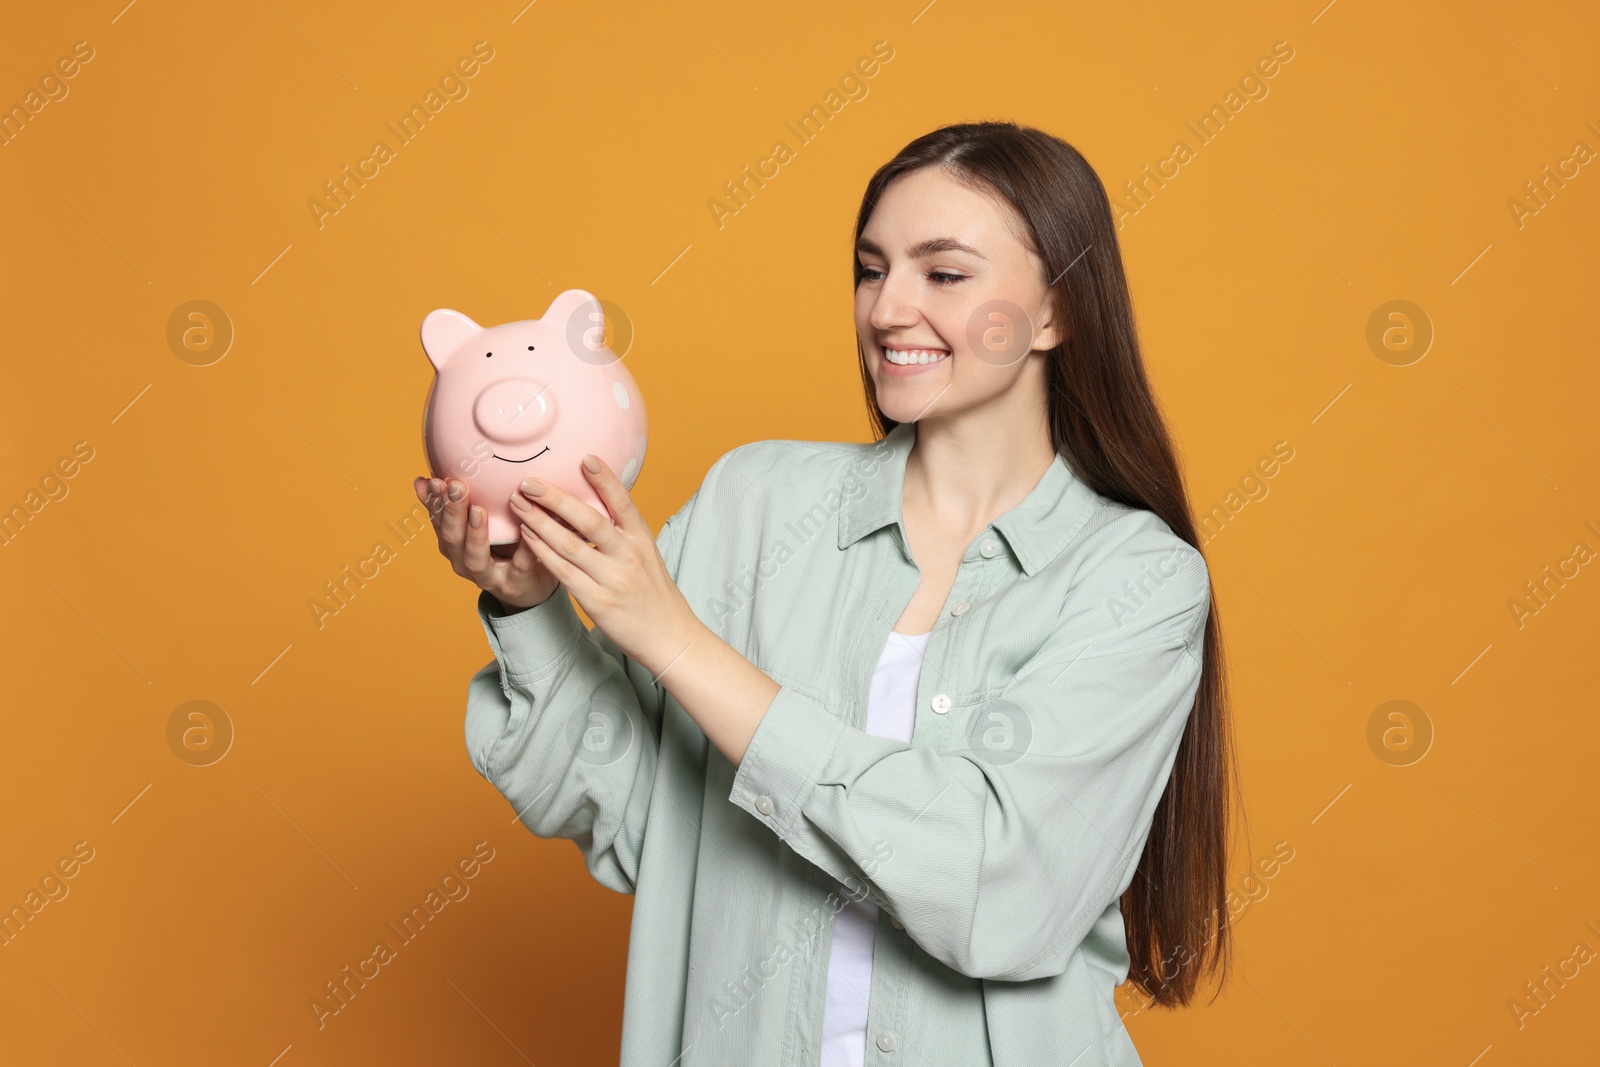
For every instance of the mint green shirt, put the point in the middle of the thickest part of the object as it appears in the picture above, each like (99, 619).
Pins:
(1053, 694)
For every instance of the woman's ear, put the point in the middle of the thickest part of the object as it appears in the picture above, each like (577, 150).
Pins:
(1046, 335)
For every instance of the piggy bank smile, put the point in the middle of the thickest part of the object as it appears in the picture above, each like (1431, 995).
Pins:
(544, 389)
(530, 459)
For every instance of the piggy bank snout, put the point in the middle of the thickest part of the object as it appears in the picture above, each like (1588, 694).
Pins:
(515, 410)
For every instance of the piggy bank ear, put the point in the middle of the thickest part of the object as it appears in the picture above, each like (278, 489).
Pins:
(444, 332)
(576, 313)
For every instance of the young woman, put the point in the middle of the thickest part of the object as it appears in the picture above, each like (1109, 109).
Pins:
(911, 751)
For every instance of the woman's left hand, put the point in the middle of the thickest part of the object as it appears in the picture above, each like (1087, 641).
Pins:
(621, 582)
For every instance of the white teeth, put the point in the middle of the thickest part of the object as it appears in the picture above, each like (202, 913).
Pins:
(905, 357)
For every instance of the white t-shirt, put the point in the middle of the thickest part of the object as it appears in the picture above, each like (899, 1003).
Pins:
(891, 712)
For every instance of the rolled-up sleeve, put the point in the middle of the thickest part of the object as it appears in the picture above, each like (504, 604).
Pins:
(1004, 848)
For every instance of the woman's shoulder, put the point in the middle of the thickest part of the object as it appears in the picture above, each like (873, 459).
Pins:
(756, 485)
(782, 465)
(755, 489)
(788, 451)
(1129, 555)
(1118, 529)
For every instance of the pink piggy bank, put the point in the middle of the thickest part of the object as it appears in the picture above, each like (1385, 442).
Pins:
(529, 398)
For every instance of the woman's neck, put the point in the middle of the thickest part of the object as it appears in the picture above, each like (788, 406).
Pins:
(967, 473)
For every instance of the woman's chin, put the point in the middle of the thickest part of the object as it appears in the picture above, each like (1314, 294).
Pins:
(909, 403)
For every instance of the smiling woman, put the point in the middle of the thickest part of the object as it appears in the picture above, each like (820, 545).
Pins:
(880, 675)
(959, 293)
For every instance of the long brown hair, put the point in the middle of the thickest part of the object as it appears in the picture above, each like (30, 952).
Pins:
(1105, 423)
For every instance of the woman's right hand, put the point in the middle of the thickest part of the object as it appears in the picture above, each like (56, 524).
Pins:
(509, 573)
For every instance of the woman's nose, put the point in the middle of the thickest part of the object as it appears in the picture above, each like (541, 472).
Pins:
(892, 305)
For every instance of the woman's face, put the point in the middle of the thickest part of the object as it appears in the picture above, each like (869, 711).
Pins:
(951, 293)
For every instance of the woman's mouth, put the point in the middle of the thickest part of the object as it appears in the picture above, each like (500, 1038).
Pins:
(900, 362)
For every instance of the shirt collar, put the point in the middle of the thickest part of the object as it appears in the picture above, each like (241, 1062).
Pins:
(1036, 530)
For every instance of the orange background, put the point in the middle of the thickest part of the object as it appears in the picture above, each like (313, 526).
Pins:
(1380, 564)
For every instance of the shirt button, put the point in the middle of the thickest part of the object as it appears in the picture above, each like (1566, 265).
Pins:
(886, 1041)
(896, 923)
(960, 609)
(988, 548)
(764, 804)
(941, 704)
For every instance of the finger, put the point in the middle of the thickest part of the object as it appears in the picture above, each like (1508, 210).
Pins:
(520, 564)
(580, 516)
(567, 573)
(475, 555)
(435, 501)
(424, 492)
(430, 500)
(571, 546)
(453, 523)
(617, 499)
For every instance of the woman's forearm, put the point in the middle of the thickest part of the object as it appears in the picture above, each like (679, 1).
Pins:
(723, 692)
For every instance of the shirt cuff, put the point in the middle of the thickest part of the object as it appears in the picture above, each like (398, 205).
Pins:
(786, 754)
(529, 642)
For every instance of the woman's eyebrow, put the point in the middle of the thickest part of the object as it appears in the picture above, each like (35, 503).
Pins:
(925, 248)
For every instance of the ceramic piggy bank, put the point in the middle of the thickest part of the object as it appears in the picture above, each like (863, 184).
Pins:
(529, 398)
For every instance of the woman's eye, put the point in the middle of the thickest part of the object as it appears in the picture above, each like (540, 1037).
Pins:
(938, 277)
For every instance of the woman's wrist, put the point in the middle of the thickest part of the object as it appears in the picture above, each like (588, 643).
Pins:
(671, 642)
(512, 607)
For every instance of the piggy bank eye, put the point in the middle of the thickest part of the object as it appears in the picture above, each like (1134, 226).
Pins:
(530, 348)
